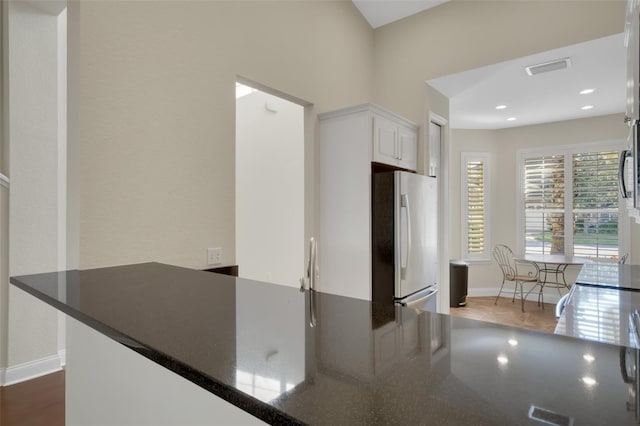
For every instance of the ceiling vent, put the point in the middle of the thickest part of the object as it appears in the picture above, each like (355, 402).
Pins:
(558, 64)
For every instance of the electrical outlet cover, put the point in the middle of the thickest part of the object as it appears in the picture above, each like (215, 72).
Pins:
(214, 256)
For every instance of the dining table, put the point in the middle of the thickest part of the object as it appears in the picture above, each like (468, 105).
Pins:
(552, 269)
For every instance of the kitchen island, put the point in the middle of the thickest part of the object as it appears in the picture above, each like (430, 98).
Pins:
(600, 304)
(269, 353)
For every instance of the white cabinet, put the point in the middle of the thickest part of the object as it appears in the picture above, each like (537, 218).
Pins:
(358, 348)
(350, 140)
(395, 143)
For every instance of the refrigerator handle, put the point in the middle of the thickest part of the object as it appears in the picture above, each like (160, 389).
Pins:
(621, 168)
(407, 210)
(312, 266)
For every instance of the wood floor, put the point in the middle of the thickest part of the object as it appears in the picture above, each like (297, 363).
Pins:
(40, 402)
(37, 402)
(509, 313)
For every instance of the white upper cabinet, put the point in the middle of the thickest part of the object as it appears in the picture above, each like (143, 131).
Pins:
(408, 143)
(394, 142)
(385, 140)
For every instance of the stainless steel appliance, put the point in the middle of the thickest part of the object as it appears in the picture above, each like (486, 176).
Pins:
(630, 364)
(630, 158)
(404, 239)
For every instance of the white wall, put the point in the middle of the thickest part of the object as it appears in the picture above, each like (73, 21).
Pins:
(153, 108)
(4, 275)
(503, 146)
(270, 189)
(36, 140)
(4, 203)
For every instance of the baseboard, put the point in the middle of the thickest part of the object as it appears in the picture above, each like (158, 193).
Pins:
(552, 298)
(31, 370)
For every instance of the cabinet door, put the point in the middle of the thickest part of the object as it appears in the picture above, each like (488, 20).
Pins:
(387, 345)
(408, 148)
(410, 339)
(385, 141)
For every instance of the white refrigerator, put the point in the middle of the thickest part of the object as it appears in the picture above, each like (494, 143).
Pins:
(404, 239)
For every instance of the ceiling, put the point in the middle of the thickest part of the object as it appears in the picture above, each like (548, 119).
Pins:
(554, 96)
(382, 12)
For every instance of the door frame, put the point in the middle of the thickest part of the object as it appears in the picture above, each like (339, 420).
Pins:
(443, 202)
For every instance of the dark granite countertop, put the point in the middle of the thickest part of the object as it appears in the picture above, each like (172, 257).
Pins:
(610, 275)
(599, 305)
(254, 345)
(600, 314)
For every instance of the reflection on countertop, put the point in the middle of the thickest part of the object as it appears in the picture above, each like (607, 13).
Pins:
(360, 363)
(610, 275)
(599, 314)
(599, 306)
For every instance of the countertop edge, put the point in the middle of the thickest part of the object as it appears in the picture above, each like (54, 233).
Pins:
(247, 403)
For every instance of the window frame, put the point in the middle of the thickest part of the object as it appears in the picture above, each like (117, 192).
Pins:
(567, 151)
(485, 158)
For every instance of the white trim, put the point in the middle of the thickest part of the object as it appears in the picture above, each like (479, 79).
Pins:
(444, 202)
(485, 158)
(366, 107)
(30, 370)
(4, 181)
(62, 354)
(431, 153)
(62, 164)
(575, 147)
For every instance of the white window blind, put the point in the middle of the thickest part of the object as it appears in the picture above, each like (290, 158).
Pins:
(571, 203)
(544, 204)
(475, 240)
(595, 204)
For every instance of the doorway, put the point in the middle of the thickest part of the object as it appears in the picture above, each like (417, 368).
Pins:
(270, 186)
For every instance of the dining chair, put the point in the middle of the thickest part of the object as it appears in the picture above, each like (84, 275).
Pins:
(508, 264)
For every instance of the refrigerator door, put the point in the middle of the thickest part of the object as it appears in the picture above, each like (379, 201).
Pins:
(416, 233)
(635, 164)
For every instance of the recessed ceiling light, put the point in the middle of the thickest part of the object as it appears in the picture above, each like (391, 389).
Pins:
(589, 381)
(588, 357)
(587, 91)
(513, 342)
(587, 107)
(511, 119)
(503, 360)
(501, 107)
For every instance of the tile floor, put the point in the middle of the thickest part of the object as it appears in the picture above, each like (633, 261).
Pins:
(508, 313)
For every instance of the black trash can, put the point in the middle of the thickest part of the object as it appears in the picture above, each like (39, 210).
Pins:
(458, 277)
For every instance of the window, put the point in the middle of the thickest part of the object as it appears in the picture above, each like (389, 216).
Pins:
(475, 229)
(595, 204)
(544, 204)
(570, 202)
